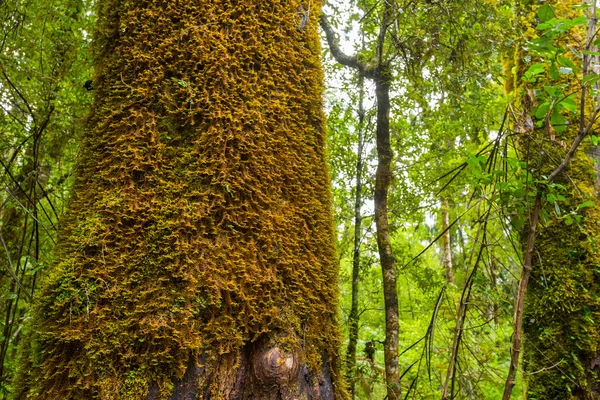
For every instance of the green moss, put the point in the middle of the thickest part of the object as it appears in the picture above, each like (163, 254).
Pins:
(200, 219)
(563, 311)
(135, 386)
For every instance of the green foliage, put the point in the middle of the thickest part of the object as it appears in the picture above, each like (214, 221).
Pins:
(444, 106)
(43, 63)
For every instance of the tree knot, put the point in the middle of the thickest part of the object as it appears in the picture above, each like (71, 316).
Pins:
(274, 367)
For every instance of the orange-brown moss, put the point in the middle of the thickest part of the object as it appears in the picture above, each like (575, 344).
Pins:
(562, 307)
(200, 219)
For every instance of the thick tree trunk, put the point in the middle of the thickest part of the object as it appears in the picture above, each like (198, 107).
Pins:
(200, 222)
(258, 371)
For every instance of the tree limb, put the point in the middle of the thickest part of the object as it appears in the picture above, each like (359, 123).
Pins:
(334, 46)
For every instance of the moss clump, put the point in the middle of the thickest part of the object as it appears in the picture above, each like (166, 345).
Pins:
(200, 219)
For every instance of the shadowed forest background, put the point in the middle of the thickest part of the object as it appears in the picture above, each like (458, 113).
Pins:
(463, 162)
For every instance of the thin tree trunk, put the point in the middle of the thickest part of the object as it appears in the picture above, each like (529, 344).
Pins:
(354, 318)
(493, 306)
(448, 387)
(383, 178)
(515, 349)
(446, 249)
(379, 71)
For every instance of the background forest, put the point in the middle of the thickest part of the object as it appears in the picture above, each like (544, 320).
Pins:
(492, 107)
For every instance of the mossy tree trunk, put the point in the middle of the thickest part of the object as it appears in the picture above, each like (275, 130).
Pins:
(562, 304)
(197, 257)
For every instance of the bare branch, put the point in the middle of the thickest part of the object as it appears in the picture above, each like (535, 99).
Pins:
(582, 134)
(334, 46)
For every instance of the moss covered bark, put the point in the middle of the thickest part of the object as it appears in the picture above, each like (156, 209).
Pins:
(199, 237)
(562, 309)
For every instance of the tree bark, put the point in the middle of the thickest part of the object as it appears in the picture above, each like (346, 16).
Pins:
(383, 177)
(354, 318)
(446, 248)
(258, 371)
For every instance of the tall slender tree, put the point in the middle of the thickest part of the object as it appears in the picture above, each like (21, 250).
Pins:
(354, 317)
(378, 69)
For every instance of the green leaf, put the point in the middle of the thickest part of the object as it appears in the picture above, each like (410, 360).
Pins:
(517, 221)
(554, 71)
(569, 104)
(554, 91)
(542, 110)
(594, 139)
(568, 63)
(545, 13)
(544, 26)
(565, 70)
(590, 79)
(580, 20)
(536, 69)
(558, 121)
(543, 44)
(586, 204)
(564, 24)
(519, 193)
(575, 51)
